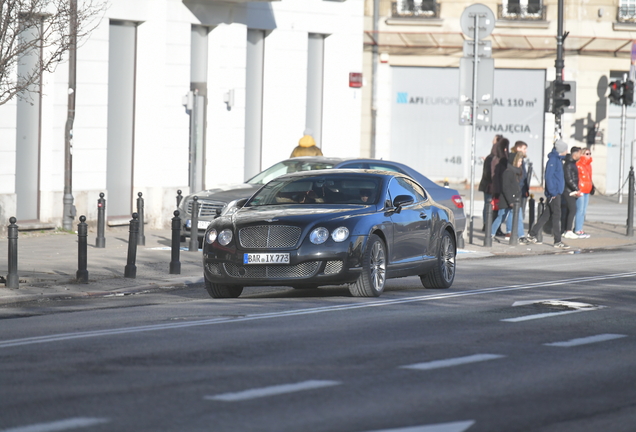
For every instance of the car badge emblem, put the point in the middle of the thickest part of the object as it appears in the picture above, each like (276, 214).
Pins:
(271, 220)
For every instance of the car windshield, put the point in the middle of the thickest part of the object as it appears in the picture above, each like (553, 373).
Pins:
(288, 167)
(318, 190)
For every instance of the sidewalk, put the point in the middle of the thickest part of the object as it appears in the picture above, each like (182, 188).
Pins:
(47, 261)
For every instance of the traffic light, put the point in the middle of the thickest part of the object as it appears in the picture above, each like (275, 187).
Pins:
(628, 92)
(616, 92)
(560, 102)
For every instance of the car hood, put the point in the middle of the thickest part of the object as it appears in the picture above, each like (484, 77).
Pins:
(296, 215)
(228, 193)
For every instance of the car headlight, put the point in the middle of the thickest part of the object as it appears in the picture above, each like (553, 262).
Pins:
(210, 236)
(225, 237)
(340, 234)
(319, 235)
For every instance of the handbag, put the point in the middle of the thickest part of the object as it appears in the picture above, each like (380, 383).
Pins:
(495, 204)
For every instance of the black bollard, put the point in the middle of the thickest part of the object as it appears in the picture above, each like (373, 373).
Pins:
(531, 205)
(488, 223)
(630, 204)
(141, 238)
(194, 226)
(12, 278)
(82, 251)
(179, 198)
(131, 269)
(175, 264)
(100, 241)
(539, 213)
(514, 235)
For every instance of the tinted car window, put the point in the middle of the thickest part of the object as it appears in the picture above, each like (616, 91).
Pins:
(288, 167)
(417, 189)
(318, 190)
(399, 187)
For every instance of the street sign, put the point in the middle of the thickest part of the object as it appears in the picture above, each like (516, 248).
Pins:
(486, 20)
(484, 48)
(485, 85)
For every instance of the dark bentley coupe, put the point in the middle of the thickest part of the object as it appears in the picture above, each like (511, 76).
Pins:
(331, 227)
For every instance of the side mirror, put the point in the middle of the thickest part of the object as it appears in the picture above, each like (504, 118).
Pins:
(240, 203)
(401, 201)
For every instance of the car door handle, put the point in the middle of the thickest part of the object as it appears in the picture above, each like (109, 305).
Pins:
(423, 215)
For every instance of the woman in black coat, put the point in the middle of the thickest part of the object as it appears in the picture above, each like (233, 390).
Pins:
(510, 190)
(485, 185)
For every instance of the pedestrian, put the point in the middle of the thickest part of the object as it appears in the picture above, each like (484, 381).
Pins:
(571, 192)
(586, 187)
(485, 185)
(498, 166)
(306, 146)
(510, 191)
(554, 185)
(524, 184)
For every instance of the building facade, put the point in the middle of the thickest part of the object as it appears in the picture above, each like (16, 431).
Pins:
(421, 44)
(182, 95)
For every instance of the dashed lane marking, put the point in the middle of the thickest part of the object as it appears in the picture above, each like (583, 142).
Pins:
(60, 425)
(272, 390)
(299, 312)
(460, 426)
(457, 361)
(587, 340)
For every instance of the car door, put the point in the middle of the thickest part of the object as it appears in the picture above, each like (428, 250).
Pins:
(411, 226)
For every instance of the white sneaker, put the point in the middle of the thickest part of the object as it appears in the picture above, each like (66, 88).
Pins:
(582, 234)
(570, 235)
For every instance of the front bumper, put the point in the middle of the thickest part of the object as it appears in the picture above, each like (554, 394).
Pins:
(328, 264)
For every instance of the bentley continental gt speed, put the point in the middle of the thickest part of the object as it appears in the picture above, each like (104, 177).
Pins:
(331, 227)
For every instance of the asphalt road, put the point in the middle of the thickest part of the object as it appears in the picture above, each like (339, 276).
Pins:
(540, 343)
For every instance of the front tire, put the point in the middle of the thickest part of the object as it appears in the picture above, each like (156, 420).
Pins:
(222, 291)
(443, 274)
(371, 282)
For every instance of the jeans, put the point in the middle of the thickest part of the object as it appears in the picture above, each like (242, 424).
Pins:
(552, 212)
(519, 224)
(501, 216)
(581, 208)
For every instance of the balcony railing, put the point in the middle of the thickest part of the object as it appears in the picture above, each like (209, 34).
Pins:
(515, 11)
(415, 9)
(627, 14)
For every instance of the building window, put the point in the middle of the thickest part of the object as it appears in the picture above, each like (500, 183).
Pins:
(522, 10)
(415, 8)
(627, 11)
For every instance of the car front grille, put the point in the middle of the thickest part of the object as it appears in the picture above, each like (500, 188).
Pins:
(207, 209)
(302, 270)
(269, 236)
(333, 267)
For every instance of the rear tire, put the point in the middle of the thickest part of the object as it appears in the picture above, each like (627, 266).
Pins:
(371, 281)
(443, 274)
(222, 291)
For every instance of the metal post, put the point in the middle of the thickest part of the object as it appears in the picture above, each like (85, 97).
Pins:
(374, 78)
(559, 63)
(539, 213)
(100, 241)
(630, 204)
(194, 225)
(488, 223)
(175, 264)
(130, 270)
(514, 235)
(622, 152)
(67, 200)
(531, 204)
(141, 241)
(13, 281)
(82, 251)
(179, 197)
(474, 128)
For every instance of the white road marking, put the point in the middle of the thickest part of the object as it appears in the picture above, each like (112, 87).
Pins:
(437, 364)
(442, 427)
(574, 307)
(272, 391)
(60, 425)
(298, 312)
(586, 340)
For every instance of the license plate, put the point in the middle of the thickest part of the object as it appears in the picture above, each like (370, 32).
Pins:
(266, 258)
(201, 224)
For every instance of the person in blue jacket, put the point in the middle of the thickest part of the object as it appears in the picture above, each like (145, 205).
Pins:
(554, 185)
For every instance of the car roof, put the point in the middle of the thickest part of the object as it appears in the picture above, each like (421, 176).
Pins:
(345, 171)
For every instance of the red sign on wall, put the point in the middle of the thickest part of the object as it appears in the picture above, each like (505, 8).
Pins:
(355, 79)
